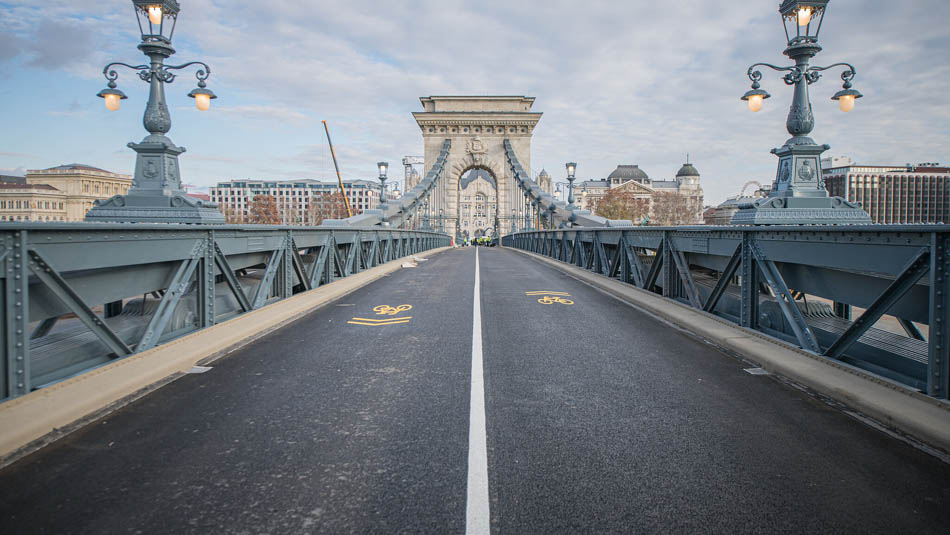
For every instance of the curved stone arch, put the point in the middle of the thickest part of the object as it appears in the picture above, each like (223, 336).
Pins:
(463, 165)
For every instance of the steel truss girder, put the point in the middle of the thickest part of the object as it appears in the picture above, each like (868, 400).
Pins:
(794, 316)
(233, 284)
(649, 283)
(48, 275)
(938, 352)
(723, 283)
(166, 307)
(682, 266)
(915, 269)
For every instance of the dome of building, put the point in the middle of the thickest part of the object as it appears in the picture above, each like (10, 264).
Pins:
(625, 173)
(687, 170)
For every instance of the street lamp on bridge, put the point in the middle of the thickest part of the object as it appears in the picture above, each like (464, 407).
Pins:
(441, 214)
(571, 168)
(798, 194)
(383, 166)
(156, 194)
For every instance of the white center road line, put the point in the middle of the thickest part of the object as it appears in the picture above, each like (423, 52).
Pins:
(477, 520)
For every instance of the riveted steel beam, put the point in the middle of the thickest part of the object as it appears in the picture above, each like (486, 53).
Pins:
(794, 316)
(724, 278)
(682, 267)
(48, 275)
(166, 307)
(912, 272)
(938, 347)
(649, 283)
(233, 284)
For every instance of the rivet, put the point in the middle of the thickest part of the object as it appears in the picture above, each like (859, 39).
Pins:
(19, 357)
(19, 385)
(19, 372)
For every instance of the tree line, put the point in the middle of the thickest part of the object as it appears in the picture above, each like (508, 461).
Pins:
(265, 210)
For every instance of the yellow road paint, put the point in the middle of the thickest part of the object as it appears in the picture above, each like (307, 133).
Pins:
(378, 323)
(547, 300)
(547, 293)
(390, 311)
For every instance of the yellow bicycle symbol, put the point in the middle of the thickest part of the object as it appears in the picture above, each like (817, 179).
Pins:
(390, 311)
(547, 300)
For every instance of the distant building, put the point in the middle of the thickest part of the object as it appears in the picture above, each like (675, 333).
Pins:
(635, 180)
(898, 194)
(31, 202)
(81, 184)
(63, 193)
(478, 199)
(296, 199)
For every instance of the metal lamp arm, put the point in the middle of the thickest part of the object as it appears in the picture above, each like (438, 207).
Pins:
(111, 75)
(847, 75)
(200, 74)
(793, 76)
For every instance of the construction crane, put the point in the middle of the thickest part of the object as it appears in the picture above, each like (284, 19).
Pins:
(408, 162)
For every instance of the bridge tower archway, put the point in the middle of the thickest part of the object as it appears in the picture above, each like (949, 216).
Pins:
(478, 127)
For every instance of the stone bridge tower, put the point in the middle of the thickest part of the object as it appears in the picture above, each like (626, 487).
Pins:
(477, 126)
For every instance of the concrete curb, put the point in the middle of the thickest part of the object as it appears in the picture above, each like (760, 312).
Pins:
(31, 421)
(906, 411)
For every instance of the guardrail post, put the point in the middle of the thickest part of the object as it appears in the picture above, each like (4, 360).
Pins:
(938, 355)
(749, 289)
(16, 343)
(669, 268)
(205, 296)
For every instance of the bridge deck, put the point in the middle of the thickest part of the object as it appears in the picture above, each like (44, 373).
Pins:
(599, 418)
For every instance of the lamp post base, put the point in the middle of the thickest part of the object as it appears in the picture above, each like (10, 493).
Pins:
(801, 211)
(177, 208)
(798, 195)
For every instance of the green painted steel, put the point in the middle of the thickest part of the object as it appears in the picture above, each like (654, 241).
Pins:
(792, 283)
(80, 295)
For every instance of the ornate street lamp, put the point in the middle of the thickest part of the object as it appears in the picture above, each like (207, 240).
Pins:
(383, 166)
(514, 221)
(798, 194)
(441, 213)
(425, 214)
(156, 194)
(571, 167)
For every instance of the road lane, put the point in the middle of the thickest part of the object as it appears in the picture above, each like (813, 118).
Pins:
(598, 417)
(602, 419)
(323, 426)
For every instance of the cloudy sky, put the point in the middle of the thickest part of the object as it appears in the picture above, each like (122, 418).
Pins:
(618, 82)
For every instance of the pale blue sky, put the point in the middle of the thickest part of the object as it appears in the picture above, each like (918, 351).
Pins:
(618, 82)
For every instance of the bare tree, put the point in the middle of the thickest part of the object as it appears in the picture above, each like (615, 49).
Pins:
(670, 209)
(327, 206)
(263, 211)
(231, 216)
(620, 204)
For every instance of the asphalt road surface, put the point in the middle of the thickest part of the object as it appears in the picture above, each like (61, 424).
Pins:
(597, 418)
